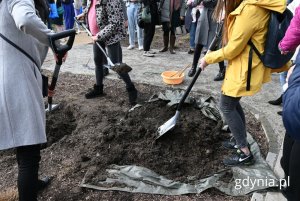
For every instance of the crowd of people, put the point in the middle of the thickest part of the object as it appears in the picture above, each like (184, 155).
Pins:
(232, 23)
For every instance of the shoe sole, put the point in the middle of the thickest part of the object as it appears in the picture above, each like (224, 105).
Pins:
(241, 164)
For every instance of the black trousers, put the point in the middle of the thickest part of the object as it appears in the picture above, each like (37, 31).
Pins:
(167, 29)
(290, 163)
(28, 158)
(197, 55)
(114, 52)
(149, 31)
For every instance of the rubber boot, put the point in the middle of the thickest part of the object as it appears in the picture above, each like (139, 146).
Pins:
(172, 44)
(192, 71)
(95, 92)
(132, 95)
(166, 44)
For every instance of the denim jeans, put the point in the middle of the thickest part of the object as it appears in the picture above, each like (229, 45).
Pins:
(192, 34)
(235, 118)
(132, 13)
(282, 78)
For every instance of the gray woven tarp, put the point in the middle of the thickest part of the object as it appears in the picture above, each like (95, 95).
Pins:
(131, 178)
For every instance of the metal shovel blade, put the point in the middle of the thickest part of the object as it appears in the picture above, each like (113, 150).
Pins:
(121, 68)
(52, 107)
(168, 125)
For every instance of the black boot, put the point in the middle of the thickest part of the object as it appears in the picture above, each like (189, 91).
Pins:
(278, 101)
(192, 71)
(220, 76)
(105, 72)
(95, 92)
(166, 44)
(132, 95)
(172, 44)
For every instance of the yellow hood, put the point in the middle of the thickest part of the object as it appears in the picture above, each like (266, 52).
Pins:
(274, 5)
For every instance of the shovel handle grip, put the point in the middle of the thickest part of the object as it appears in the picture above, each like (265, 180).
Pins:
(63, 48)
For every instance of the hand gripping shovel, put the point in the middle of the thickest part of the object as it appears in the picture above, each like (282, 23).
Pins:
(60, 52)
(118, 67)
(172, 122)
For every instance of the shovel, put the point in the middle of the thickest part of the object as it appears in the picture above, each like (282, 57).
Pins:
(118, 67)
(60, 52)
(167, 126)
(172, 122)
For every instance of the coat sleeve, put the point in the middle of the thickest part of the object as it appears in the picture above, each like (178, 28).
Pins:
(115, 19)
(241, 32)
(291, 40)
(23, 13)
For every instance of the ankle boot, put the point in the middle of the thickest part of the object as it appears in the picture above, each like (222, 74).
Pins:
(172, 44)
(166, 44)
(192, 71)
(220, 76)
(132, 95)
(95, 92)
(278, 101)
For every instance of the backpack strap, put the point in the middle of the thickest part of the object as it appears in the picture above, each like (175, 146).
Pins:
(252, 47)
(255, 49)
(249, 69)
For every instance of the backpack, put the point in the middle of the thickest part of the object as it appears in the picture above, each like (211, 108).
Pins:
(272, 57)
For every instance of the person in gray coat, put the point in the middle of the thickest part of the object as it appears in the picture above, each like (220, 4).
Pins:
(171, 13)
(22, 111)
(207, 27)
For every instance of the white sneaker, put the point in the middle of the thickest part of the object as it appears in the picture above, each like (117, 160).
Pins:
(152, 52)
(148, 54)
(130, 47)
(141, 48)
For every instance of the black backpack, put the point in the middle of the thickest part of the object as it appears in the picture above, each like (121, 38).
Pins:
(272, 57)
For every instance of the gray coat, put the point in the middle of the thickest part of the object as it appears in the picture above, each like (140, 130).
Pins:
(206, 28)
(22, 113)
(165, 11)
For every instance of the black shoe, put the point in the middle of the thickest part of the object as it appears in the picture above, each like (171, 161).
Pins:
(220, 76)
(191, 51)
(279, 113)
(132, 95)
(44, 182)
(192, 71)
(97, 91)
(105, 72)
(231, 144)
(239, 158)
(278, 101)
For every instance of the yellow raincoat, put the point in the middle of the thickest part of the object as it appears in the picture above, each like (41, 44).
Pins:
(248, 21)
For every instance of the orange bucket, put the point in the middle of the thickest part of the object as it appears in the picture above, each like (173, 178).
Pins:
(172, 77)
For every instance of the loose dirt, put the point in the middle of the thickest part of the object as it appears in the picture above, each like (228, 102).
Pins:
(89, 135)
(86, 136)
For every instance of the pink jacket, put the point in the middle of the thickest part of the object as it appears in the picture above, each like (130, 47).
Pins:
(291, 40)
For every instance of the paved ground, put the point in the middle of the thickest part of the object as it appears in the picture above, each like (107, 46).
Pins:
(148, 70)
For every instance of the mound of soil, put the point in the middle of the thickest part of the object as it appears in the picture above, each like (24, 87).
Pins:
(89, 135)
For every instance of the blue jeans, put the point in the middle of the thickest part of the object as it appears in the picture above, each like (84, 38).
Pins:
(192, 34)
(283, 78)
(132, 13)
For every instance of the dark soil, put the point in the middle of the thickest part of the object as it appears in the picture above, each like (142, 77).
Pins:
(89, 135)
(86, 136)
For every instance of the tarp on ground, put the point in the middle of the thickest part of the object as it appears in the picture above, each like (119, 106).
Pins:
(136, 179)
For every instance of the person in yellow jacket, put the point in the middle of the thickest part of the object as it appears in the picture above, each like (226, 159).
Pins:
(244, 20)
